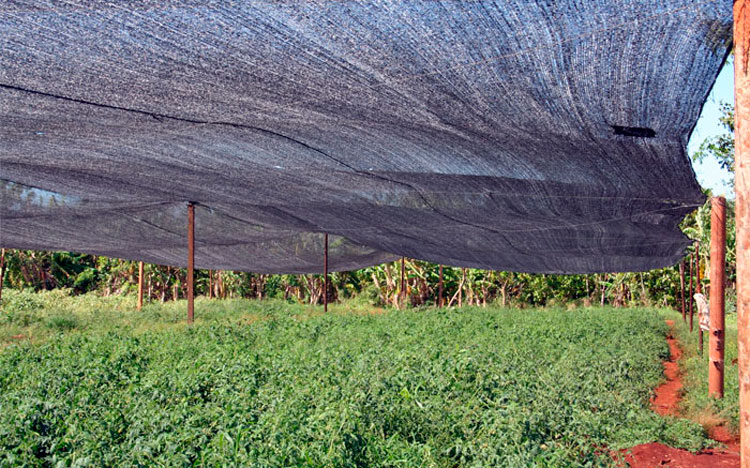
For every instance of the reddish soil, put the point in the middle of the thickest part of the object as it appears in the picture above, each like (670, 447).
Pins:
(665, 403)
(655, 455)
(667, 395)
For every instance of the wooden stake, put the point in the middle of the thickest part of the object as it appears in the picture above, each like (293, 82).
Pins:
(716, 297)
(2, 273)
(440, 286)
(682, 288)
(690, 298)
(325, 273)
(403, 282)
(210, 284)
(191, 261)
(742, 215)
(698, 291)
(140, 285)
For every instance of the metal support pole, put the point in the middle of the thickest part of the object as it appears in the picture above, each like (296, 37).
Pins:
(403, 289)
(698, 291)
(325, 273)
(191, 261)
(440, 286)
(716, 297)
(140, 285)
(742, 214)
(682, 289)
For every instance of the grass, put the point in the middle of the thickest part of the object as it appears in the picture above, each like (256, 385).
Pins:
(696, 404)
(270, 384)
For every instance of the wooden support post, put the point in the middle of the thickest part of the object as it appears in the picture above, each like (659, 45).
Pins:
(402, 293)
(440, 286)
(210, 284)
(2, 273)
(716, 297)
(690, 292)
(191, 261)
(325, 273)
(742, 214)
(140, 285)
(698, 291)
(682, 288)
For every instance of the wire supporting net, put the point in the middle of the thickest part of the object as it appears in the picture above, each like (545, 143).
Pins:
(510, 135)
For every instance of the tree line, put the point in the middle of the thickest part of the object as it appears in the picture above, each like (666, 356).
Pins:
(378, 285)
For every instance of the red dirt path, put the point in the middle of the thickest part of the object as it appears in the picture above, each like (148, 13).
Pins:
(665, 403)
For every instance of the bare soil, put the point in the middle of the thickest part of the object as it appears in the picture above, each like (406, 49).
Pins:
(666, 403)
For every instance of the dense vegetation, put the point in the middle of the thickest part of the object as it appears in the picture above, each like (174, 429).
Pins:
(265, 383)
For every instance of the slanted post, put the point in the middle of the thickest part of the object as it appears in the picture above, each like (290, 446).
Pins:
(682, 288)
(716, 297)
(140, 285)
(191, 261)
(325, 273)
(440, 286)
(742, 215)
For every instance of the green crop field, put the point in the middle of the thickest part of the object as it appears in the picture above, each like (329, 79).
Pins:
(87, 381)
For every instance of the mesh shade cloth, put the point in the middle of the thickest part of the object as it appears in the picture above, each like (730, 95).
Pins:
(478, 134)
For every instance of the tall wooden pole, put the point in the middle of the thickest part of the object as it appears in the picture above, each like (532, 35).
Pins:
(682, 288)
(698, 291)
(191, 261)
(716, 297)
(742, 214)
(440, 286)
(210, 284)
(140, 285)
(403, 289)
(325, 273)
(2, 273)
(690, 292)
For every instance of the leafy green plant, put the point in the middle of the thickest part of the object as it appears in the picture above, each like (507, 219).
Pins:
(272, 384)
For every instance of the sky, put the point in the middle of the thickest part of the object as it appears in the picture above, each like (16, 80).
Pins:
(709, 173)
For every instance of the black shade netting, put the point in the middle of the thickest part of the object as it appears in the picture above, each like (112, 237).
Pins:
(511, 135)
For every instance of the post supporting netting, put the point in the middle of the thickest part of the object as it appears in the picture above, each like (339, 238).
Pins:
(440, 286)
(690, 292)
(2, 273)
(682, 289)
(402, 293)
(191, 261)
(325, 273)
(698, 291)
(742, 204)
(140, 285)
(716, 297)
